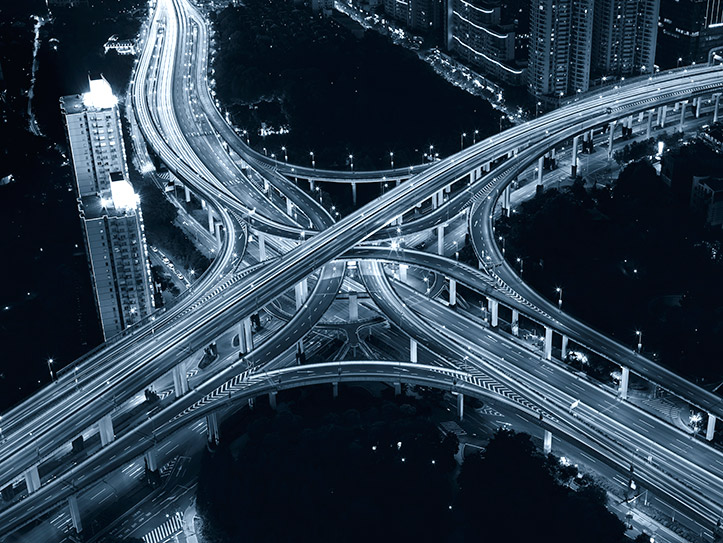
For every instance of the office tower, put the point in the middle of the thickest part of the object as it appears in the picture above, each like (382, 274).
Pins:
(688, 31)
(560, 47)
(112, 219)
(424, 16)
(477, 33)
(624, 37)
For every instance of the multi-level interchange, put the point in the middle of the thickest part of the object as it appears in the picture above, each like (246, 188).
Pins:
(272, 238)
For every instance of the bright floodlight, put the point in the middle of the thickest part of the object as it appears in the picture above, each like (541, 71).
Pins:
(123, 195)
(100, 95)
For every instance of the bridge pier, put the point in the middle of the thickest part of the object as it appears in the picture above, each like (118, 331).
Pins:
(289, 208)
(212, 429)
(506, 201)
(75, 513)
(105, 428)
(624, 382)
(397, 389)
(312, 186)
(494, 308)
(610, 139)
(403, 272)
(211, 227)
(151, 459)
(301, 290)
(452, 292)
(540, 165)
(262, 246)
(440, 240)
(683, 105)
(662, 113)
(353, 193)
(573, 163)
(710, 429)
(563, 349)
(412, 350)
(187, 193)
(242, 347)
(697, 103)
(547, 442)
(716, 97)
(649, 128)
(515, 323)
(32, 478)
(353, 306)
(272, 399)
(180, 382)
(203, 203)
(248, 335)
(335, 389)
(548, 343)
(460, 406)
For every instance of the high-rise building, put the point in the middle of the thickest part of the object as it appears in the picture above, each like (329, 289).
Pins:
(109, 209)
(560, 47)
(688, 30)
(424, 16)
(477, 33)
(624, 37)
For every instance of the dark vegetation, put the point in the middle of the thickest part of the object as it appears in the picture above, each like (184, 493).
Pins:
(628, 258)
(277, 63)
(364, 469)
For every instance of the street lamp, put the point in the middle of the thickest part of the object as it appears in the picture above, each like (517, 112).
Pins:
(521, 263)
(559, 297)
(640, 340)
(246, 133)
(351, 162)
(313, 162)
(286, 156)
(474, 136)
(391, 159)
(461, 140)
(265, 151)
(50, 369)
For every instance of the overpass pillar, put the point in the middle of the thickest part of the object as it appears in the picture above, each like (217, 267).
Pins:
(203, 203)
(440, 240)
(217, 228)
(452, 292)
(32, 478)
(403, 272)
(212, 428)
(683, 105)
(624, 381)
(715, 107)
(506, 201)
(412, 350)
(515, 322)
(335, 389)
(494, 308)
(573, 163)
(300, 289)
(211, 227)
(248, 336)
(312, 186)
(262, 246)
(289, 208)
(75, 513)
(397, 389)
(272, 399)
(547, 442)
(697, 106)
(353, 306)
(548, 343)
(434, 201)
(105, 428)
(486, 167)
(460, 406)
(440, 197)
(151, 459)
(187, 193)
(540, 164)
(649, 129)
(243, 348)
(563, 349)
(180, 383)
(710, 430)
(353, 193)
(610, 140)
(662, 113)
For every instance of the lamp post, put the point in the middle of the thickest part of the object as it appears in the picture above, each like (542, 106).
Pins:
(50, 369)
(640, 340)
(461, 140)
(351, 162)
(474, 136)
(286, 156)
(391, 159)
(559, 297)
(521, 263)
(313, 162)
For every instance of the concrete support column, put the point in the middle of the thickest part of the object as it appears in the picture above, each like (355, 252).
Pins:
(494, 308)
(105, 428)
(486, 167)
(440, 240)
(353, 306)
(180, 383)
(624, 381)
(716, 97)
(434, 201)
(412, 350)
(248, 334)
(312, 186)
(683, 105)
(211, 227)
(403, 272)
(32, 479)
(217, 228)
(452, 292)
(506, 201)
(203, 203)
(547, 443)
(440, 197)
(75, 513)
(540, 164)
(212, 428)
(662, 113)
(397, 389)
(563, 349)
(710, 430)
(460, 406)
(262, 245)
(353, 193)
(573, 164)
(610, 140)
(697, 106)
(187, 194)
(548, 343)
(335, 390)
(299, 292)
(649, 128)
(242, 338)
(272, 399)
(151, 459)
(289, 208)
(515, 322)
